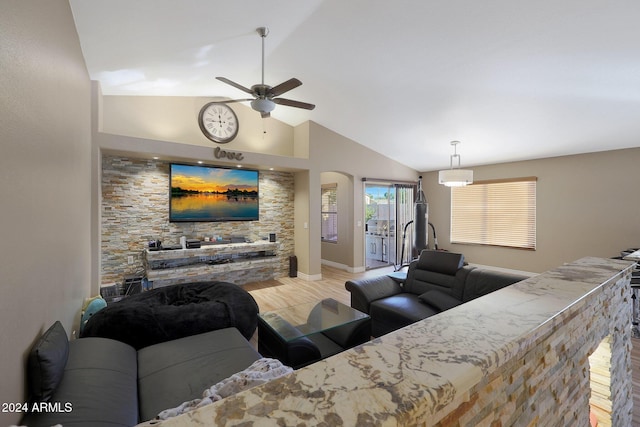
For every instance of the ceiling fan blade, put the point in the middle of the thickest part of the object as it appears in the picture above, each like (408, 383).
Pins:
(228, 101)
(284, 87)
(234, 84)
(292, 103)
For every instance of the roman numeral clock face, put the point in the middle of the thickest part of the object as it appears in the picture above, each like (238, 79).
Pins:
(218, 122)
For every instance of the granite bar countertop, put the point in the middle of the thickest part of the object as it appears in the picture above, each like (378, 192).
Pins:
(419, 372)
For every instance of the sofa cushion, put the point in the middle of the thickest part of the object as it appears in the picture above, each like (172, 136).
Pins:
(389, 314)
(46, 362)
(439, 300)
(98, 388)
(173, 372)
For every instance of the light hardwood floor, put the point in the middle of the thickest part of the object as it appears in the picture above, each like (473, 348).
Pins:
(285, 292)
(288, 291)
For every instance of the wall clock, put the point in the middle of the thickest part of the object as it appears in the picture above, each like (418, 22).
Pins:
(218, 122)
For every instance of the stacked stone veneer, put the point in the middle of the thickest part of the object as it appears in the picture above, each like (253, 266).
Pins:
(135, 209)
(600, 370)
(549, 385)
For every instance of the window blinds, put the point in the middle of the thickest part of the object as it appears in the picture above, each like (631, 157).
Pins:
(498, 213)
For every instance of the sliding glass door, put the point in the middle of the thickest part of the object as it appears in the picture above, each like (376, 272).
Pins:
(388, 208)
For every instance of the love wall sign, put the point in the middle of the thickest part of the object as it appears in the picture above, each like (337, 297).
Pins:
(223, 154)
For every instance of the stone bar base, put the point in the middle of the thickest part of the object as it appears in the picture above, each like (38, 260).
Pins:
(550, 383)
(518, 356)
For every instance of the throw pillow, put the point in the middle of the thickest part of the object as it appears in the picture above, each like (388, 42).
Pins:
(46, 362)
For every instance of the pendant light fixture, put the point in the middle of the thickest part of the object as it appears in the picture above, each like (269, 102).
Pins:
(455, 177)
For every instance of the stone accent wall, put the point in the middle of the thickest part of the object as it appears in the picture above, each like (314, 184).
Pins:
(549, 385)
(135, 209)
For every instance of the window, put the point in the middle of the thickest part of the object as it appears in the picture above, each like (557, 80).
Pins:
(497, 213)
(329, 213)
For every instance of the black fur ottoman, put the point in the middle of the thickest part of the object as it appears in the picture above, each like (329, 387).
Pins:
(173, 312)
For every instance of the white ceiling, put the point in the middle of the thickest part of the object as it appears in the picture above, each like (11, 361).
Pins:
(510, 79)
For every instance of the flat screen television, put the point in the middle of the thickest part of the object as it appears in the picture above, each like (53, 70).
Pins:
(212, 193)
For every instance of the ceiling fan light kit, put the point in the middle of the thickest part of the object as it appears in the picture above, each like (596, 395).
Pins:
(455, 177)
(263, 105)
(264, 96)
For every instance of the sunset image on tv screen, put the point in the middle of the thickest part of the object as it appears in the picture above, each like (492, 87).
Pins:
(207, 193)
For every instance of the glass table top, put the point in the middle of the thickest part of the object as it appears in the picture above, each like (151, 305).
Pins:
(306, 319)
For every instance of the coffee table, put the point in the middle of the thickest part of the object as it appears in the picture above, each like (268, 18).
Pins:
(305, 333)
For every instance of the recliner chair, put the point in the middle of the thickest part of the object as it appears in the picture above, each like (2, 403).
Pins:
(392, 305)
(436, 281)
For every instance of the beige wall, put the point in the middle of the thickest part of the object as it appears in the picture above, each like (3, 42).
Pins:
(340, 253)
(301, 205)
(332, 152)
(175, 119)
(44, 181)
(586, 205)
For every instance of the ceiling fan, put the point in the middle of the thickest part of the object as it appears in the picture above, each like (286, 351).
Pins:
(264, 96)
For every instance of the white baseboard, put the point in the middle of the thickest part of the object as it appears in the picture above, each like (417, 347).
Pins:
(309, 277)
(343, 266)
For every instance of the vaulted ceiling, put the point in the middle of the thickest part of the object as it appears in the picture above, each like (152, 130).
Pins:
(512, 80)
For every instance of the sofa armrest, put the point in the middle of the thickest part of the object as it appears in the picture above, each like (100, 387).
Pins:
(484, 281)
(365, 291)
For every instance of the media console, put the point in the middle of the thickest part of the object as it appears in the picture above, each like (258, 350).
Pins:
(238, 263)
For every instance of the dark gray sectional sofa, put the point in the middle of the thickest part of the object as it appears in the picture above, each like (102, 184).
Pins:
(435, 282)
(98, 382)
(142, 355)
